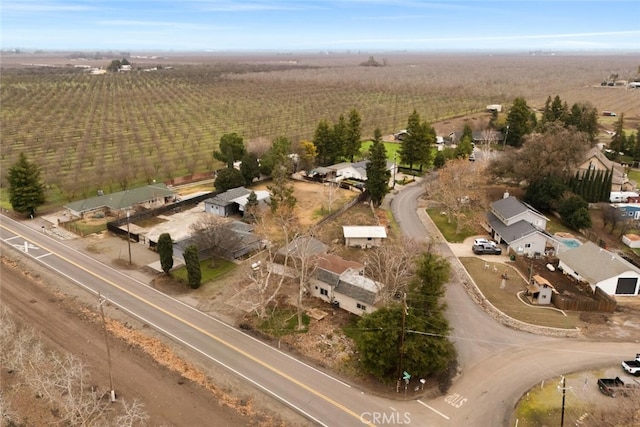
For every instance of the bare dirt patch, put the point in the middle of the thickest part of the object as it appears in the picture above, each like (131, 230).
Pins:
(145, 367)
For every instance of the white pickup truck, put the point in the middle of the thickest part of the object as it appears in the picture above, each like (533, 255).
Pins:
(632, 366)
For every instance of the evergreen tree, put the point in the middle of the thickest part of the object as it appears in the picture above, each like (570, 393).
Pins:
(377, 173)
(618, 140)
(521, 122)
(228, 178)
(416, 146)
(467, 133)
(585, 119)
(165, 251)
(26, 191)
(192, 264)
(439, 160)
(464, 148)
(423, 344)
(250, 168)
(231, 149)
(251, 208)
(323, 140)
(340, 137)
(353, 138)
(544, 193)
(281, 189)
(574, 211)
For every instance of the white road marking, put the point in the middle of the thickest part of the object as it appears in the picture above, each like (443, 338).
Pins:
(433, 409)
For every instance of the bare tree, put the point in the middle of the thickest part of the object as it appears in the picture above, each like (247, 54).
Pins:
(60, 378)
(258, 146)
(392, 265)
(215, 236)
(330, 191)
(304, 263)
(556, 152)
(133, 414)
(456, 191)
(267, 275)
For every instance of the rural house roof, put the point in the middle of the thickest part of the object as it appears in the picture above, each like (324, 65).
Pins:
(336, 264)
(594, 263)
(364, 231)
(303, 246)
(358, 287)
(260, 196)
(512, 232)
(226, 198)
(122, 199)
(597, 154)
(510, 207)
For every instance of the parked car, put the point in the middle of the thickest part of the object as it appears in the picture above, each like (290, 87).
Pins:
(632, 366)
(482, 241)
(487, 249)
(614, 386)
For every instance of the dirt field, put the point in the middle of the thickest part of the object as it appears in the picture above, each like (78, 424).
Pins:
(174, 391)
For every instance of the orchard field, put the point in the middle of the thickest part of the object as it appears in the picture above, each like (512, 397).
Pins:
(115, 131)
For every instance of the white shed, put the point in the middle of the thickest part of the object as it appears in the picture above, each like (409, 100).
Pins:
(363, 236)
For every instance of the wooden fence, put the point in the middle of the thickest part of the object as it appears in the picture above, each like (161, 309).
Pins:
(601, 302)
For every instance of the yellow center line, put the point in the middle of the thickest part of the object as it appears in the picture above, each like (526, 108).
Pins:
(220, 340)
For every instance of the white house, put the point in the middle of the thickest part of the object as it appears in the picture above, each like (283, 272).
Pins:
(342, 283)
(363, 236)
(600, 268)
(348, 170)
(519, 225)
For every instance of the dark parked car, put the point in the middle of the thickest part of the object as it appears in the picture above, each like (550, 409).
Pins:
(487, 249)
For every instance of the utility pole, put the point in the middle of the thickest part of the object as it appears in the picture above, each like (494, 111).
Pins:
(395, 167)
(404, 320)
(564, 392)
(106, 340)
(129, 237)
(504, 141)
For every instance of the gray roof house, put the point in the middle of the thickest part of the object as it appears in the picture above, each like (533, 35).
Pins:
(342, 283)
(224, 204)
(149, 196)
(600, 268)
(519, 226)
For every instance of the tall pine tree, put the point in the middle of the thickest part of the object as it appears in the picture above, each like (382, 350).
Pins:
(26, 190)
(378, 175)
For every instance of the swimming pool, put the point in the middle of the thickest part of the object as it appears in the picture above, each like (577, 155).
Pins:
(570, 243)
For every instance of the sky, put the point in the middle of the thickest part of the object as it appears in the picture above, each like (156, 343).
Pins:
(320, 25)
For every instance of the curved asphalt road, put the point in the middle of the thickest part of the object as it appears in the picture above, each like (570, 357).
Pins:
(499, 364)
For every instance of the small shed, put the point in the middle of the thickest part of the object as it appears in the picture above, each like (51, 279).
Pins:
(632, 240)
(540, 290)
(363, 236)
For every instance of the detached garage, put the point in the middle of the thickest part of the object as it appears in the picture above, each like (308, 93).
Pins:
(600, 268)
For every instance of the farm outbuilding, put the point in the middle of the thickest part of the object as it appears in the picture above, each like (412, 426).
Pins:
(599, 268)
(363, 236)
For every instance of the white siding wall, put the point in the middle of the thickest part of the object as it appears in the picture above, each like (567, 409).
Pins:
(363, 242)
(609, 285)
(536, 243)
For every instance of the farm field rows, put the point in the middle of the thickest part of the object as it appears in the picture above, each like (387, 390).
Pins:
(114, 131)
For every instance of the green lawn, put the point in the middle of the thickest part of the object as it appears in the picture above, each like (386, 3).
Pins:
(447, 229)
(210, 270)
(505, 299)
(634, 175)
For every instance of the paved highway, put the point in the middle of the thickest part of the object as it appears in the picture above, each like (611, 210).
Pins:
(499, 364)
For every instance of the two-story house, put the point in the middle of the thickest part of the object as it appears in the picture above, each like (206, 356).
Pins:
(517, 224)
(342, 283)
